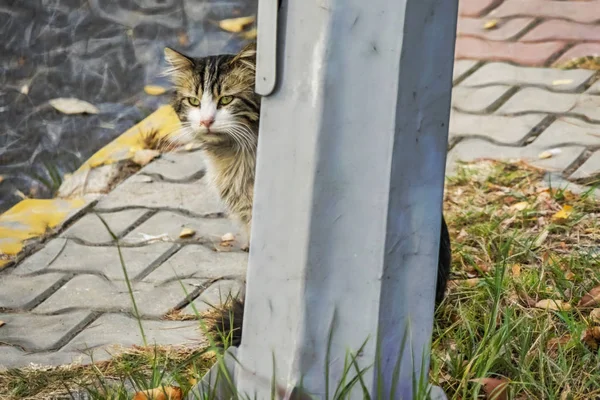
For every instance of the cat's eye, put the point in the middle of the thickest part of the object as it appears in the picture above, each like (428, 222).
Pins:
(225, 100)
(193, 101)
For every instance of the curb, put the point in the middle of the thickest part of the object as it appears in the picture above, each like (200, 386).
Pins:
(31, 221)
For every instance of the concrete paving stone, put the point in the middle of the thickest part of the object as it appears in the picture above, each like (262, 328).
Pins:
(171, 224)
(215, 295)
(580, 50)
(92, 230)
(101, 260)
(594, 89)
(473, 149)
(461, 67)
(94, 293)
(474, 8)
(534, 54)
(17, 292)
(39, 332)
(556, 29)
(499, 128)
(507, 74)
(199, 262)
(579, 11)
(477, 99)
(111, 331)
(177, 166)
(504, 30)
(135, 192)
(539, 100)
(590, 168)
(570, 131)
(12, 357)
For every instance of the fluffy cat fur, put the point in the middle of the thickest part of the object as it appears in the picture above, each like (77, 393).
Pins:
(229, 143)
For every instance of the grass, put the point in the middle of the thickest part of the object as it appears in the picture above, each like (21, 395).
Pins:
(516, 243)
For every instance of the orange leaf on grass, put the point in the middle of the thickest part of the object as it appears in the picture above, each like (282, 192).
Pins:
(494, 389)
(162, 393)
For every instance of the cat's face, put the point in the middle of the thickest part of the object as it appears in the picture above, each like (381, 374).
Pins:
(215, 97)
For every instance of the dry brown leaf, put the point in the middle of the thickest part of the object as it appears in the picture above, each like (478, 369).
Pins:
(564, 214)
(73, 106)
(2, 323)
(491, 24)
(186, 233)
(556, 342)
(236, 25)
(569, 275)
(591, 337)
(494, 389)
(591, 299)
(228, 237)
(595, 315)
(520, 206)
(549, 153)
(163, 393)
(154, 90)
(554, 305)
(1, 178)
(143, 157)
(516, 270)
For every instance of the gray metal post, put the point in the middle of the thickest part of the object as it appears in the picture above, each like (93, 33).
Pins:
(348, 193)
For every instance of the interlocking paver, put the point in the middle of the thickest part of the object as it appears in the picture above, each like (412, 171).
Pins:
(215, 295)
(177, 166)
(504, 30)
(495, 127)
(507, 74)
(17, 292)
(40, 332)
(171, 224)
(534, 54)
(100, 260)
(112, 330)
(91, 229)
(12, 357)
(570, 131)
(539, 100)
(461, 67)
(579, 11)
(590, 168)
(137, 192)
(477, 99)
(557, 29)
(474, 8)
(580, 50)
(473, 149)
(200, 262)
(94, 293)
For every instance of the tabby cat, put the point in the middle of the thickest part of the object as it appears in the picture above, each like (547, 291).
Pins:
(217, 106)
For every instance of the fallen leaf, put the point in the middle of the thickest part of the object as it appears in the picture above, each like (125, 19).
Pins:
(249, 35)
(595, 315)
(24, 89)
(563, 214)
(491, 24)
(541, 238)
(72, 105)
(516, 270)
(549, 153)
(2, 323)
(154, 90)
(183, 39)
(554, 305)
(554, 343)
(520, 206)
(1, 178)
(569, 275)
(163, 393)
(186, 233)
(236, 25)
(143, 157)
(591, 299)
(493, 388)
(559, 82)
(472, 282)
(228, 237)
(591, 337)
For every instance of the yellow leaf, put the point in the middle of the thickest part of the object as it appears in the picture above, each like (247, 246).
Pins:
(73, 106)
(154, 90)
(520, 206)
(569, 275)
(516, 270)
(549, 153)
(563, 214)
(491, 24)
(236, 25)
(163, 393)
(249, 35)
(186, 233)
(554, 305)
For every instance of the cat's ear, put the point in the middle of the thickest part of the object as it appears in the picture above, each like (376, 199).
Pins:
(247, 56)
(177, 62)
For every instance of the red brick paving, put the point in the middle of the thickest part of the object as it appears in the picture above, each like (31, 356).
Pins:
(556, 29)
(474, 8)
(505, 30)
(581, 50)
(578, 11)
(520, 53)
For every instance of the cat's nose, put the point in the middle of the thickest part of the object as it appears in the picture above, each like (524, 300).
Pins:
(207, 122)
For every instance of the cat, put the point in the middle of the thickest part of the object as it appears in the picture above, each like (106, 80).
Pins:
(216, 104)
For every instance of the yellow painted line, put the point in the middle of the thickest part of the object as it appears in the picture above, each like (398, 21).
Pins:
(33, 218)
